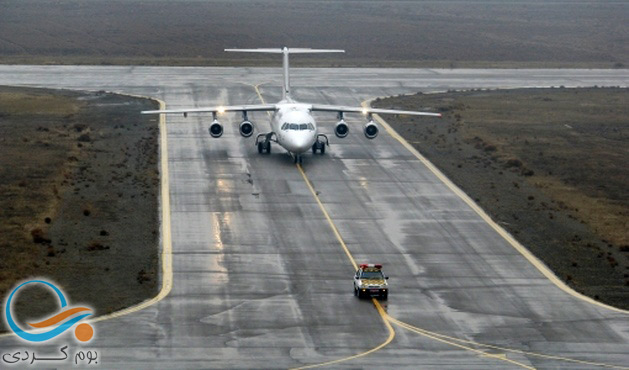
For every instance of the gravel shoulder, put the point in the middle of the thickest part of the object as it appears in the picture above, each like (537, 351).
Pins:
(79, 187)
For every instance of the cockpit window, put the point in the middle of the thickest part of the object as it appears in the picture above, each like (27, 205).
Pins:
(298, 126)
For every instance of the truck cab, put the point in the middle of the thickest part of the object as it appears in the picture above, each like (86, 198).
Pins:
(370, 281)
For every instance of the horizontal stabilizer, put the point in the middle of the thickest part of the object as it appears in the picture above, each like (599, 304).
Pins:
(288, 50)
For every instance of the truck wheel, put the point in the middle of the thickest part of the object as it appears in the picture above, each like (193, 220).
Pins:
(385, 296)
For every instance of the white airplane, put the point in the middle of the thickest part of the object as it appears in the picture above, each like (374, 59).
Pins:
(292, 124)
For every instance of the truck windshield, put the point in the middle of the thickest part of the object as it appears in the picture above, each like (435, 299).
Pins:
(372, 275)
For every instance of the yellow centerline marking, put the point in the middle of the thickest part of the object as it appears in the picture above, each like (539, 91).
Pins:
(327, 217)
(389, 339)
(505, 349)
(501, 357)
(256, 87)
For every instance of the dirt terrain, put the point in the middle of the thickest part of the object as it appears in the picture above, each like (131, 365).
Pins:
(549, 165)
(79, 188)
(444, 33)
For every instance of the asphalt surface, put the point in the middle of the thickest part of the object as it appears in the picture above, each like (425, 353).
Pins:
(260, 280)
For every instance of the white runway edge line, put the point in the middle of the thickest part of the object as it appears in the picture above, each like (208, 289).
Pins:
(166, 242)
(538, 264)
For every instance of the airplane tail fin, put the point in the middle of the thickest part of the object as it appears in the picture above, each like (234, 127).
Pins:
(286, 51)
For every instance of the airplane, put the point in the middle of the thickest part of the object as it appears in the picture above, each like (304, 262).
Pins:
(292, 124)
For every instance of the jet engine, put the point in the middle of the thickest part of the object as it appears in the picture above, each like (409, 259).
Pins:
(371, 130)
(246, 128)
(216, 129)
(341, 129)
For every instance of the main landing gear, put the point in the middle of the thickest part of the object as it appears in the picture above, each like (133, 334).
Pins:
(263, 141)
(264, 146)
(320, 144)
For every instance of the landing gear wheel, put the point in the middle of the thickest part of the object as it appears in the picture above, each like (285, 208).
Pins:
(318, 145)
(264, 146)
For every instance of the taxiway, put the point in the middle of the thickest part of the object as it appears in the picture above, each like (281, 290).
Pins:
(260, 278)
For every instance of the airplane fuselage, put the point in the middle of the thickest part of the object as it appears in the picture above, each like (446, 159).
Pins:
(294, 126)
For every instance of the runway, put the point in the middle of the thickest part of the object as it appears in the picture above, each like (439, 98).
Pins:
(260, 278)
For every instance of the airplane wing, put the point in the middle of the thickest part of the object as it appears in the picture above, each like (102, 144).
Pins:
(367, 110)
(219, 109)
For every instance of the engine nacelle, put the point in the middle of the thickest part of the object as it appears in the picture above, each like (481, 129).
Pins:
(341, 129)
(246, 128)
(216, 129)
(371, 130)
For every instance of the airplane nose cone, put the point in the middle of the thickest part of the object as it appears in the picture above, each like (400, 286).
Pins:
(300, 142)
